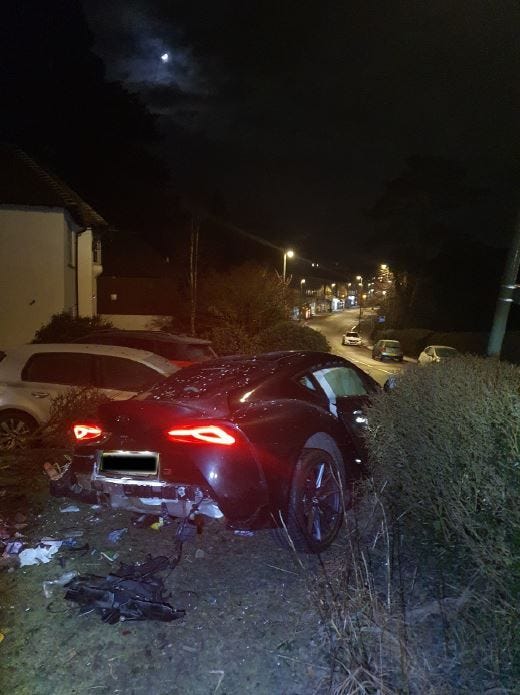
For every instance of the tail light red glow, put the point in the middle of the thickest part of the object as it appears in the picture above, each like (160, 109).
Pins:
(84, 433)
(210, 434)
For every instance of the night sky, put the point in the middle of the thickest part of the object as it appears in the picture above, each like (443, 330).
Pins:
(296, 113)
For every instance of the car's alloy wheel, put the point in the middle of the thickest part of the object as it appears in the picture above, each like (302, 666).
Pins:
(15, 430)
(315, 510)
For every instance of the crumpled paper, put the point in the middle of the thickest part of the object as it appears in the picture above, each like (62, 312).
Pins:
(41, 554)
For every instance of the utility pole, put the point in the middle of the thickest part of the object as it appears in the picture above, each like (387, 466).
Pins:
(506, 295)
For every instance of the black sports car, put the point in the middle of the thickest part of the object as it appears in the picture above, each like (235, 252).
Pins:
(271, 441)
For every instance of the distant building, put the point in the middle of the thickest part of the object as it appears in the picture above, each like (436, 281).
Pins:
(50, 253)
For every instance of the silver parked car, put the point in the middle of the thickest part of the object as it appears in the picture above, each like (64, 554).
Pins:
(436, 353)
(32, 375)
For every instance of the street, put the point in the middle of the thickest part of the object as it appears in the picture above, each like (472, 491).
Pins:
(333, 327)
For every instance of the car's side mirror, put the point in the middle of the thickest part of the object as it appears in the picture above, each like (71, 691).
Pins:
(390, 384)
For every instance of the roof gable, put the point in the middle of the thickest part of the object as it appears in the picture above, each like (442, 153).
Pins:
(24, 182)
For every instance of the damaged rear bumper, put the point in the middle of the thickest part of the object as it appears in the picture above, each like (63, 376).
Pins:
(136, 495)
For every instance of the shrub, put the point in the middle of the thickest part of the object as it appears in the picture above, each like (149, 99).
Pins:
(64, 328)
(445, 448)
(288, 335)
(446, 442)
(67, 408)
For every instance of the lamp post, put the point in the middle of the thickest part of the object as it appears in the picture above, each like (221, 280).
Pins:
(302, 283)
(361, 302)
(288, 253)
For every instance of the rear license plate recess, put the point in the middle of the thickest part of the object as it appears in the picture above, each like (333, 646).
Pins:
(136, 462)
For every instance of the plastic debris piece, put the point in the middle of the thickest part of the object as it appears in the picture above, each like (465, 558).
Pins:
(243, 533)
(69, 508)
(43, 553)
(199, 553)
(51, 584)
(110, 559)
(13, 548)
(116, 535)
(158, 524)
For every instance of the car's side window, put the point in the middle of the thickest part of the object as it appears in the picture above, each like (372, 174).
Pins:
(72, 369)
(125, 375)
(429, 351)
(340, 382)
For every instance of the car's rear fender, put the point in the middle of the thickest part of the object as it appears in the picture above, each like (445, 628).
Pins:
(280, 430)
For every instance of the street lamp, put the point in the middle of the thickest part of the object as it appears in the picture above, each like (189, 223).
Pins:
(288, 253)
(302, 283)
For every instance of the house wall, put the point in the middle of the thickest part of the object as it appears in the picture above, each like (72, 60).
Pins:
(37, 277)
(88, 270)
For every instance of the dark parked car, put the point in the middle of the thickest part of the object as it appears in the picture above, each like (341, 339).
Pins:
(387, 350)
(180, 349)
(261, 441)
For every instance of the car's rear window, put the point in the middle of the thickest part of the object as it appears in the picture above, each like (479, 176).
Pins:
(194, 383)
(392, 343)
(188, 352)
(446, 351)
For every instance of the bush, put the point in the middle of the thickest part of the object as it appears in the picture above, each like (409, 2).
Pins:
(445, 448)
(67, 408)
(64, 328)
(446, 441)
(288, 335)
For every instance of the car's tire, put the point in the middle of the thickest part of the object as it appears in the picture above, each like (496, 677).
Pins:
(16, 429)
(316, 503)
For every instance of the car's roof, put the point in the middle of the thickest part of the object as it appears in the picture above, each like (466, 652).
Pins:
(449, 347)
(219, 377)
(20, 354)
(153, 335)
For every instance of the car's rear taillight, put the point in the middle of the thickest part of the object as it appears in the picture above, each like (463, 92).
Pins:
(207, 434)
(85, 433)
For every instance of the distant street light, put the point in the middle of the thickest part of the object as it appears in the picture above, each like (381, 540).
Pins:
(289, 253)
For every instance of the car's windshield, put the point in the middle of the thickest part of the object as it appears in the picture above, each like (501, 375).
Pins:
(352, 334)
(392, 343)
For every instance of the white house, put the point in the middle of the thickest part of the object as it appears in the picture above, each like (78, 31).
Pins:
(50, 254)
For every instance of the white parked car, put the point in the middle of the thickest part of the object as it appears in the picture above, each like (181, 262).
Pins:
(32, 375)
(351, 338)
(436, 353)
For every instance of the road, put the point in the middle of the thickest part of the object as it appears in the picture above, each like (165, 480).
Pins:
(333, 326)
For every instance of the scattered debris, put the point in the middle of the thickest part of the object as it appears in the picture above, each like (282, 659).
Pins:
(199, 553)
(43, 552)
(132, 592)
(107, 557)
(69, 508)
(50, 584)
(13, 548)
(116, 535)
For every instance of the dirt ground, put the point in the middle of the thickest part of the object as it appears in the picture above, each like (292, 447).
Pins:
(249, 624)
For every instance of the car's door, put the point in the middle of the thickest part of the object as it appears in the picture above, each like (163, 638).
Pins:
(46, 375)
(347, 392)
